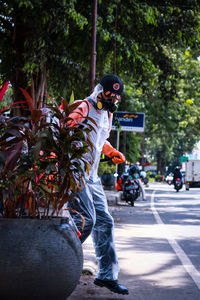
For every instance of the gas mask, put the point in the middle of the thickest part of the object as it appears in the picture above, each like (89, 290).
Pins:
(107, 104)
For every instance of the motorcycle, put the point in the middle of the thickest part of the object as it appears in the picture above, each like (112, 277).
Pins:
(178, 184)
(169, 179)
(130, 189)
(129, 186)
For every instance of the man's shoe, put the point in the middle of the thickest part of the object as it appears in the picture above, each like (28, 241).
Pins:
(112, 285)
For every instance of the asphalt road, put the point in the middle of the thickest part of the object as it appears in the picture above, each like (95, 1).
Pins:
(158, 246)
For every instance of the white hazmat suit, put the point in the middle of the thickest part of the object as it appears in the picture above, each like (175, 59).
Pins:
(91, 202)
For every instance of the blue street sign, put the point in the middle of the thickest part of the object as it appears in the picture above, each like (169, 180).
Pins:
(128, 121)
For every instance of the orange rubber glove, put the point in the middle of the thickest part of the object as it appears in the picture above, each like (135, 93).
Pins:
(118, 157)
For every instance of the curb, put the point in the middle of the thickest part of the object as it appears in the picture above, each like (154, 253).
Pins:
(89, 267)
(113, 197)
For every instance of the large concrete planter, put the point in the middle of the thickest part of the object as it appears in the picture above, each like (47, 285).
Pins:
(108, 180)
(39, 259)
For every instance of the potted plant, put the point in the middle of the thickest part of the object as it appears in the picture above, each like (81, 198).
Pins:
(106, 172)
(42, 163)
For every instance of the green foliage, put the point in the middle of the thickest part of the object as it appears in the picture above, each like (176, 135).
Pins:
(7, 97)
(151, 175)
(154, 50)
(158, 178)
(174, 128)
(106, 167)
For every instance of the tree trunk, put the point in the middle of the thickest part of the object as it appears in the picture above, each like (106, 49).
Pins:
(160, 166)
(39, 86)
(35, 85)
(19, 79)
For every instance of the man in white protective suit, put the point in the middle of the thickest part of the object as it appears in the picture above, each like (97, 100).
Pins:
(91, 202)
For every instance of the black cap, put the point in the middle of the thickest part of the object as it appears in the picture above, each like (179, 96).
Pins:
(112, 86)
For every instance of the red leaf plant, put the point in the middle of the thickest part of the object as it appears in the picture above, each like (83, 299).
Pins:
(40, 164)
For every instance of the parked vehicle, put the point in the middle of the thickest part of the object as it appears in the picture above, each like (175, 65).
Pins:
(169, 178)
(178, 184)
(192, 173)
(130, 189)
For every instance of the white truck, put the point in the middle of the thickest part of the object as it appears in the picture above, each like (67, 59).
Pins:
(192, 173)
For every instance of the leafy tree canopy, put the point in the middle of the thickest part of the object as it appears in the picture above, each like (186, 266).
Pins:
(152, 45)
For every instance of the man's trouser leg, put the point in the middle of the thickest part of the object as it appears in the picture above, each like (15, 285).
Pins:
(103, 235)
(83, 203)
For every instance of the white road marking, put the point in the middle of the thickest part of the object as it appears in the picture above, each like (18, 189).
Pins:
(186, 262)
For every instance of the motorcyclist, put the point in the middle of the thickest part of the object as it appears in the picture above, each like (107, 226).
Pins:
(91, 201)
(134, 171)
(121, 179)
(177, 174)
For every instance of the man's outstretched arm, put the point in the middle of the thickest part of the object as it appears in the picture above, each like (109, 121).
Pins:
(110, 151)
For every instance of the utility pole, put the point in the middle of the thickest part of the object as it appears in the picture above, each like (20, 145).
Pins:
(142, 146)
(94, 53)
(115, 44)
